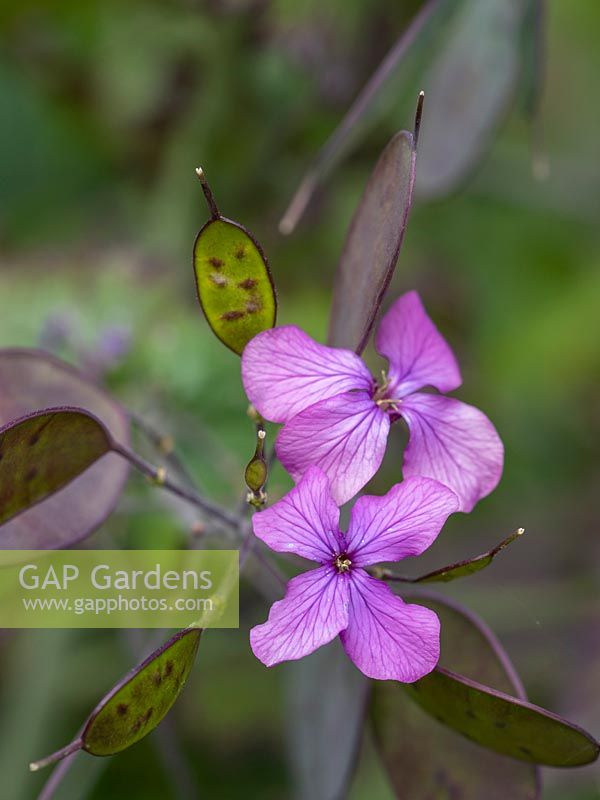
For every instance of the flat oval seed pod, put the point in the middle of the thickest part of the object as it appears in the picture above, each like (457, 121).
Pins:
(43, 452)
(325, 713)
(141, 700)
(373, 242)
(502, 723)
(468, 567)
(461, 569)
(136, 705)
(476, 704)
(233, 280)
(33, 380)
(425, 758)
(469, 87)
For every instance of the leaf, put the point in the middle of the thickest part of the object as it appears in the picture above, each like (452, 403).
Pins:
(41, 453)
(32, 380)
(233, 280)
(372, 245)
(462, 568)
(469, 87)
(426, 759)
(136, 705)
(326, 702)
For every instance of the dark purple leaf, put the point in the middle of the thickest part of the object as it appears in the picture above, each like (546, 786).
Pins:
(33, 380)
(326, 697)
(424, 758)
(136, 705)
(372, 245)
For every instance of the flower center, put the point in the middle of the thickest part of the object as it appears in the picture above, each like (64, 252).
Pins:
(342, 563)
(389, 404)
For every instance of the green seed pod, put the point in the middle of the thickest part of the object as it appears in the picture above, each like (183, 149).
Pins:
(43, 452)
(257, 471)
(233, 280)
(256, 474)
(136, 705)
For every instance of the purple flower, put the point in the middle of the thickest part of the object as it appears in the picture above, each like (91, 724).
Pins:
(385, 637)
(338, 418)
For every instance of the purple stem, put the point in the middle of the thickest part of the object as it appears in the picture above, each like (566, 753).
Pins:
(56, 778)
(210, 199)
(74, 747)
(160, 477)
(234, 521)
(418, 116)
(371, 89)
(164, 446)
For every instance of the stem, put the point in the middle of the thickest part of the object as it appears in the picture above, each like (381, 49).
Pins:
(74, 747)
(386, 575)
(271, 567)
(247, 545)
(232, 521)
(418, 115)
(360, 106)
(165, 446)
(56, 778)
(159, 476)
(210, 199)
(260, 440)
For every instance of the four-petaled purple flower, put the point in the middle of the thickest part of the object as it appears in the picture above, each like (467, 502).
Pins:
(386, 638)
(338, 418)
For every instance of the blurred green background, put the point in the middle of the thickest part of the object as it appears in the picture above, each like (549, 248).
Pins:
(106, 109)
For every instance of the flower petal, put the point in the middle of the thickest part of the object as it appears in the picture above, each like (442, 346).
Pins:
(386, 638)
(418, 354)
(312, 613)
(345, 436)
(305, 521)
(454, 443)
(284, 371)
(402, 523)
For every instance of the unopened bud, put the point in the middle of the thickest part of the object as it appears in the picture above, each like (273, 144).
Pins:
(257, 471)
(161, 476)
